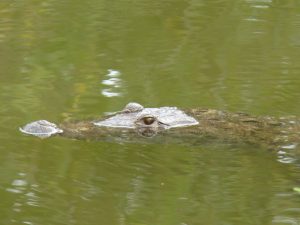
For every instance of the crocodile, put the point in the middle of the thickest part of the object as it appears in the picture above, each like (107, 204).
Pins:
(136, 123)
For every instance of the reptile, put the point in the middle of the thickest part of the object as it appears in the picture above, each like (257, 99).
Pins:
(135, 123)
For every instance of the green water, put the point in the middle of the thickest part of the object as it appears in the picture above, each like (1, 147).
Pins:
(63, 59)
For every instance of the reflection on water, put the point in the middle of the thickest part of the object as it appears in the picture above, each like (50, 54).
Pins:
(25, 197)
(112, 84)
(62, 59)
(118, 184)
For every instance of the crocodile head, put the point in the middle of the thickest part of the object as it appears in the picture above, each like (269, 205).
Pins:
(145, 121)
(148, 120)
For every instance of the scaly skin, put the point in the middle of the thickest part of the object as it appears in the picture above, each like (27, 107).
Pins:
(214, 125)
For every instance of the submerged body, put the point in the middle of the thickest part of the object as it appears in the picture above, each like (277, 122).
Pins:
(169, 124)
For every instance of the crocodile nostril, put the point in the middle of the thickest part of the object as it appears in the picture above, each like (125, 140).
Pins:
(148, 120)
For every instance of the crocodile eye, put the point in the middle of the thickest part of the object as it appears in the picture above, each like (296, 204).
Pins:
(148, 120)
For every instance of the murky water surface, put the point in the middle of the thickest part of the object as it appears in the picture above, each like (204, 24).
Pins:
(81, 59)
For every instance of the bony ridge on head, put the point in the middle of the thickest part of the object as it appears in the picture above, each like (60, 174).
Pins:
(132, 107)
